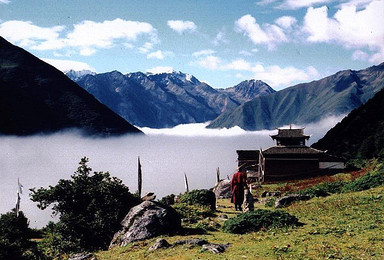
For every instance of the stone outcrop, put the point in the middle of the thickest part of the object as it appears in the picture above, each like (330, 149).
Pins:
(146, 220)
(160, 243)
(82, 256)
(270, 194)
(222, 189)
(289, 199)
(212, 247)
(216, 248)
(193, 242)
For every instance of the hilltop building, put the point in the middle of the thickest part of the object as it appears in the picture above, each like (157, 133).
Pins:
(289, 159)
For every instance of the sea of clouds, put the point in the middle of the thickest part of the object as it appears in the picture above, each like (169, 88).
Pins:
(165, 154)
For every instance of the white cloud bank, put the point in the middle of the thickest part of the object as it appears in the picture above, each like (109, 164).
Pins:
(86, 36)
(66, 65)
(316, 129)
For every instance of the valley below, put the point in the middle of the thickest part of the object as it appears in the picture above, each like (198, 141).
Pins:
(165, 154)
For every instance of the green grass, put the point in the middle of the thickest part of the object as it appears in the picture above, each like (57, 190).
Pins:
(340, 226)
(346, 225)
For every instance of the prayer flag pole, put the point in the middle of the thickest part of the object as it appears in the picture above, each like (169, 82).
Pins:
(186, 182)
(19, 191)
(139, 177)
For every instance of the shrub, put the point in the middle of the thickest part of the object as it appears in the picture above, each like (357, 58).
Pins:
(168, 200)
(365, 182)
(191, 214)
(15, 237)
(91, 207)
(199, 197)
(259, 219)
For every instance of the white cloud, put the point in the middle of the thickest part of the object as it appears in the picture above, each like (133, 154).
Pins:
(279, 77)
(209, 62)
(65, 65)
(104, 34)
(286, 22)
(269, 35)
(156, 55)
(245, 53)
(160, 55)
(87, 51)
(238, 64)
(276, 76)
(180, 26)
(350, 27)
(360, 55)
(297, 4)
(87, 36)
(4, 1)
(203, 53)
(26, 34)
(160, 69)
(240, 76)
(220, 38)
(147, 47)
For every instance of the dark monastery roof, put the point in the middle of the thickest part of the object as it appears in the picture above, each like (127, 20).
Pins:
(290, 133)
(296, 150)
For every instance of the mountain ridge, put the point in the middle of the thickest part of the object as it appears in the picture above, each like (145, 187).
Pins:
(164, 99)
(306, 102)
(37, 98)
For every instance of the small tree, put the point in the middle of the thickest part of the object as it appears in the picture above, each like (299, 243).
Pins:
(91, 207)
(14, 237)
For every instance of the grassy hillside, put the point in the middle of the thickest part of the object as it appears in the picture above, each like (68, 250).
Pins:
(343, 225)
(360, 134)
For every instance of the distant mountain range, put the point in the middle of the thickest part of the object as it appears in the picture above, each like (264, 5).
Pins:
(37, 98)
(166, 99)
(305, 103)
(360, 134)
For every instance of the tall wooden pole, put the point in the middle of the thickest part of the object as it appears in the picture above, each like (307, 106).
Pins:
(139, 177)
(19, 191)
(186, 182)
(218, 174)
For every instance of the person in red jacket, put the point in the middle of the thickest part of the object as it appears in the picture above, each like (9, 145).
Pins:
(238, 183)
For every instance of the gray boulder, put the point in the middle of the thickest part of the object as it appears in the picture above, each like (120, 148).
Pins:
(193, 242)
(146, 220)
(289, 199)
(82, 256)
(160, 243)
(222, 189)
(270, 194)
(216, 248)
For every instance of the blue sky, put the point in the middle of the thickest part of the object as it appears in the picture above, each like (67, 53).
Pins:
(221, 42)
